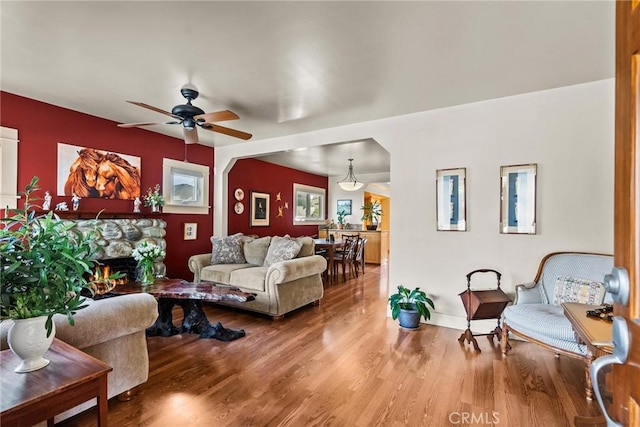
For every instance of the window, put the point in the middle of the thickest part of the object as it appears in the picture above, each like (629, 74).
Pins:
(185, 187)
(9, 169)
(309, 205)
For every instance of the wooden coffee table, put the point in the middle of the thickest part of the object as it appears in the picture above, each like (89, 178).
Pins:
(189, 296)
(72, 377)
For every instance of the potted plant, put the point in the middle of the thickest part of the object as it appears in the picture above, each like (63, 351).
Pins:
(44, 269)
(371, 214)
(154, 198)
(410, 306)
(341, 215)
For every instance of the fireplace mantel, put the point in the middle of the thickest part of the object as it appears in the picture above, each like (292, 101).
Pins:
(101, 214)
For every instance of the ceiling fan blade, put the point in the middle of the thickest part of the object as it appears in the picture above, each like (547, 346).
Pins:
(218, 116)
(135, 125)
(152, 108)
(227, 131)
(191, 136)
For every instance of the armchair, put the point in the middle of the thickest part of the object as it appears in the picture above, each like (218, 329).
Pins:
(537, 315)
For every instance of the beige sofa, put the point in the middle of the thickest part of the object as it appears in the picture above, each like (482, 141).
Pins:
(282, 278)
(112, 330)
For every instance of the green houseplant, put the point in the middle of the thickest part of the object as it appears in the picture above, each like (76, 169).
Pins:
(341, 215)
(371, 214)
(44, 268)
(409, 306)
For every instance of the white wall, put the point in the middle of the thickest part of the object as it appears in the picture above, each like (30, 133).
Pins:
(568, 132)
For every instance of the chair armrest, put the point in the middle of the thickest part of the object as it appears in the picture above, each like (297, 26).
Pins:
(197, 263)
(528, 293)
(297, 268)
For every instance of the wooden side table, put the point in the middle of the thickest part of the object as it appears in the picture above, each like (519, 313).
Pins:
(72, 377)
(596, 334)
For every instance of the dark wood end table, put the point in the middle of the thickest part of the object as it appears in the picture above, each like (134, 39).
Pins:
(189, 296)
(72, 377)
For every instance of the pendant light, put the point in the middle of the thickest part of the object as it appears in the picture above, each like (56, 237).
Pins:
(350, 182)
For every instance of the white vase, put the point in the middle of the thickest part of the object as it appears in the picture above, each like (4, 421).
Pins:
(28, 340)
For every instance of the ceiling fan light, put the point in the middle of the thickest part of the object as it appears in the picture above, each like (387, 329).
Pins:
(189, 124)
(350, 182)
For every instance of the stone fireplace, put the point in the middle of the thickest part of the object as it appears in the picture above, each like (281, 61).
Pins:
(119, 236)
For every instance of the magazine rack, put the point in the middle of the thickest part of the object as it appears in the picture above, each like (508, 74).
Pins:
(481, 305)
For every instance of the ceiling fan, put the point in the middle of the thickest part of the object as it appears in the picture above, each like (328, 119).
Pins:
(190, 116)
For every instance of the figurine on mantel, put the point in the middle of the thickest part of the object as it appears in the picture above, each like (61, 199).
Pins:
(62, 206)
(46, 204)
(76, 201)
(136, 205)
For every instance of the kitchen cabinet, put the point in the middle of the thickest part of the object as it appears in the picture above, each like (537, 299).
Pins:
(376, 250)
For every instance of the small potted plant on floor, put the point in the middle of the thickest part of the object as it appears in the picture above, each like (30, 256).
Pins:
(44, 269)
(409, 306)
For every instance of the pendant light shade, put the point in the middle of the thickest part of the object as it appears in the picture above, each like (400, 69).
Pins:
(350, 182)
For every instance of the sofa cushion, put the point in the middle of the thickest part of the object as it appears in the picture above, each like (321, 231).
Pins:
(545, 319)
(583, 291)
(227, 250)
(249, 279)
(255, 250)
(220, 273)
(544, 322)
(281, 249)
(307, 246)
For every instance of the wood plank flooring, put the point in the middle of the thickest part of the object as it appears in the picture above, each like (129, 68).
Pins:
(344, 363)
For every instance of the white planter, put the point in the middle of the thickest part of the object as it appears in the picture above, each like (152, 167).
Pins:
(28, 340)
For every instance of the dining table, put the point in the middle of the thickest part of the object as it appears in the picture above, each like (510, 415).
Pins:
(330, 246)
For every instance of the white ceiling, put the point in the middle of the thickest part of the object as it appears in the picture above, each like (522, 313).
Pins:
(291, 67)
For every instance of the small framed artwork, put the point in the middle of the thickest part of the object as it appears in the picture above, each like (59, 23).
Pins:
(518, 199)
(344, 206)
(190, 231)
(451, 204)
(259, 209)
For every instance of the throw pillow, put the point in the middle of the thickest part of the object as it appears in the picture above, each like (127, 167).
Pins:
(583, 291)
(281, 249)
(227, 250)
(307, 247)
(255, 250)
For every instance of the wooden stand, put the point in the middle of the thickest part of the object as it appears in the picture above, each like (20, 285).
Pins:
(72, 377)
(483, 304)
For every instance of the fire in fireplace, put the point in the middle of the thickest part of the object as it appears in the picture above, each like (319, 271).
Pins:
(108, 266)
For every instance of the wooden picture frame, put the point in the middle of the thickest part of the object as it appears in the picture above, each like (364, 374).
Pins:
(518, 199)
(451, 202)
(260, 204)
(190, 231)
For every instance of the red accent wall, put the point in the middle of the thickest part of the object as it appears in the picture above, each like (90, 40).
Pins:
(257, 175)
(42, 126)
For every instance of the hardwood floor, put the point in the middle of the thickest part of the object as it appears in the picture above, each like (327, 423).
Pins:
(344, 363)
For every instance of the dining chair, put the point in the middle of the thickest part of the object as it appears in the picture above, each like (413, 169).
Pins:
(359, 255)
(345, 257)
